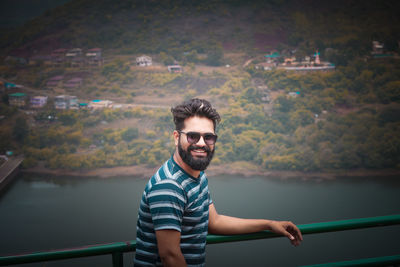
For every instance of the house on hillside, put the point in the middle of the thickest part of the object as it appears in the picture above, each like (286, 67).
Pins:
(73, 83)
(100, 104)
(293, 94)
(377, 48)
(38, 101)
(74, 57)
(58, 56)
(309, 63)
(272, 57)
(17, 99)
(266, 66)
(144, 61)
(94, 57)
(289, 60)
(77, 62)
(175, 69)
(55, 81)
(65, 102)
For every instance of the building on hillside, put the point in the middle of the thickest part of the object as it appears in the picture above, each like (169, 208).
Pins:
(74, 57)
(265, 97)
(74, 52)
(378, 51)
(17, 99)
(55, 81)
(83, 105)
(175, 69)
(94, 57)
(65, 102)
(38, 101)
(377, 48)
(73, 83)
(58, 56)
(144, 61)
(77, 62)
(308, 64)
(289, 60)
(8, 85)
(317, 61)
(272, 57)
(293, 94)
(266, 66)
(100, 104)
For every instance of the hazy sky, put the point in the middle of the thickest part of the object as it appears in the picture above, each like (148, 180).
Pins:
(16, 12)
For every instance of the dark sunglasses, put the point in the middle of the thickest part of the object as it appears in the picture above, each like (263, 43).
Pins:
(194, 137)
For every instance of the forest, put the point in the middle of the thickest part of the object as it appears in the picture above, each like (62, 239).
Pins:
(343, 119)
(338, 121)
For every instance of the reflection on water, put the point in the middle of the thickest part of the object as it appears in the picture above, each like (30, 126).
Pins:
(43, 185)
(43, 212)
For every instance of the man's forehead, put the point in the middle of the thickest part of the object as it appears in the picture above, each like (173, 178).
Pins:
(199, 124)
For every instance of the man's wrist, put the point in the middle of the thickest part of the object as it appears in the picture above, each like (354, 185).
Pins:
(268, 224)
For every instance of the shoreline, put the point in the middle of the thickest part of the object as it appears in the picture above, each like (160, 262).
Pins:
(216, 170)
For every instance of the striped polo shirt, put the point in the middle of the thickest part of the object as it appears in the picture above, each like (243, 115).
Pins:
(174, 200)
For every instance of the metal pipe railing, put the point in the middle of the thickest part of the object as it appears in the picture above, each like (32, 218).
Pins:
(118, 248)
(378, 261)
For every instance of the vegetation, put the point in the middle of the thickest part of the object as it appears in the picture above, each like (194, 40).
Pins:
(343, 119)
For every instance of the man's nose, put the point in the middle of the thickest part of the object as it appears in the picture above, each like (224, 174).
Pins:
(201, 141)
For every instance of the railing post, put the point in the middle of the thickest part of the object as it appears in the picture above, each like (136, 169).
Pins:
(117, 259)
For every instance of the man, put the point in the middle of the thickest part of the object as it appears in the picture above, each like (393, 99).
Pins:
(176, 211)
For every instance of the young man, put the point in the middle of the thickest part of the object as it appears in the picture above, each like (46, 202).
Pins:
(176, 211)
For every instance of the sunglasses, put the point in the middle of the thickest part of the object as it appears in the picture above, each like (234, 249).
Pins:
(194, 137)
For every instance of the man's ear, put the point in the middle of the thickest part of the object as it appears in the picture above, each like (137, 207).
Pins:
(176, 137)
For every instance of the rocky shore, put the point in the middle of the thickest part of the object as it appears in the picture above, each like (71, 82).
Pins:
(246, 170)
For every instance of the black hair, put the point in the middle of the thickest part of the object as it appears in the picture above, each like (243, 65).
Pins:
(194, 107)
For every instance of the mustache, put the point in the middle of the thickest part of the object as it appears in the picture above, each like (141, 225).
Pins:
(194, 147)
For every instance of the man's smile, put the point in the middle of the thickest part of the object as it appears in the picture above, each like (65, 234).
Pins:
(199, 152)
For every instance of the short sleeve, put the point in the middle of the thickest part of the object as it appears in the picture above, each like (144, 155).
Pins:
(166, 201)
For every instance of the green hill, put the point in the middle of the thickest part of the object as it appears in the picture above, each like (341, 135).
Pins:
(344, 119)
(177, 26)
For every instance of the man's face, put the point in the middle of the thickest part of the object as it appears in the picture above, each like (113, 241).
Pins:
(197, 156)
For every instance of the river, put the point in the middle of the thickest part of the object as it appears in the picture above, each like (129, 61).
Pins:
(41, 212)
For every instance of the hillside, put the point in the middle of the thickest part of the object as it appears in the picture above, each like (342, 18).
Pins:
(343, 119)
(173, 26)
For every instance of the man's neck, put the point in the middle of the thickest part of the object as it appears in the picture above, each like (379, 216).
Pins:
(184, 166)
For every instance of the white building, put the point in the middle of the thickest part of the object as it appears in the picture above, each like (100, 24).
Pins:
(100, 104)
(66, 102)
(144, 61)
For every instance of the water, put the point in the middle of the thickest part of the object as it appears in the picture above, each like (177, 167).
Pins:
(41, 213)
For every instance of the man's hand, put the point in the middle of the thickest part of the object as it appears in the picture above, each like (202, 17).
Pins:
(226, 225)
(287, 229)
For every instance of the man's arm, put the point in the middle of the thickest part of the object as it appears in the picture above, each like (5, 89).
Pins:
(168, 242)
(226, 225)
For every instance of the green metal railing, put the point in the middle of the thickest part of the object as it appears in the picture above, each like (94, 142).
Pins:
(117, 249)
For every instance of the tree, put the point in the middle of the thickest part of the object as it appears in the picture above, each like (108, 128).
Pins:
(130, 134)
(301, 118)
(215, 56)
(21, 129)
(68, 118)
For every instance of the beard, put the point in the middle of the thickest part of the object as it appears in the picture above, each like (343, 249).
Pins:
(198, 164)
